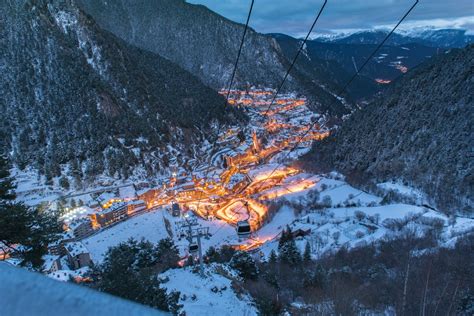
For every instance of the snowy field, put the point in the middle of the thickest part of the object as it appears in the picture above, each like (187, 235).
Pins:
(149, 226)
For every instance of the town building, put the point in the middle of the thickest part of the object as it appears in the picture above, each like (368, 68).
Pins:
(237, 182)
(78, 256)
(52, 263)
(57, 248)
(106, 199)
(135, 206)
(81, 228)
(115, 213)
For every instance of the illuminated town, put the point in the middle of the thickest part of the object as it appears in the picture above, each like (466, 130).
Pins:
(248, 169)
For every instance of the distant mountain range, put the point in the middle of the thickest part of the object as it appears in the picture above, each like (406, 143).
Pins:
(419, 131)
(446, 38)
(338, 57)
(342, 57)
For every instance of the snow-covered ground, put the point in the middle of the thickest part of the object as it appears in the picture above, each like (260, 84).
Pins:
(31, 189)
(365, 221)
(404, 190)
(150, 226)
(212, 294)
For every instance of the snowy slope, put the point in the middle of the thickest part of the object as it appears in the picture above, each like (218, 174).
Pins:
(149, 226)
(208, 295)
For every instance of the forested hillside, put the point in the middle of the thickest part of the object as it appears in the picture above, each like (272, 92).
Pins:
(420, 131)
(73, 93)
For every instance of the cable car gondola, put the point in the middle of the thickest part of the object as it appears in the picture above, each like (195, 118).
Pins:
(193, 248)
(175, 209)
(243, 229)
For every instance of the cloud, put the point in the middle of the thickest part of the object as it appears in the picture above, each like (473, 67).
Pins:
(295, 17)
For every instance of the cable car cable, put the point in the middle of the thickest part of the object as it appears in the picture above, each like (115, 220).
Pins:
(344, 87)
(228, 94)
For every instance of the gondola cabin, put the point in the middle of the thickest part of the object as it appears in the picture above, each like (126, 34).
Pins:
(175, 210)
(193, 248)
(243, 229)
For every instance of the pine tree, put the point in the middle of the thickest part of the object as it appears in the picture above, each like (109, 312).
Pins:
(307, 253)
(212, 255)
(129, 270)
(287, 251)
(286, 235)
(7, 188)
(272, 258)
(21, 225)
(316, 278)
(244, 263)
(64, 183)
(226, 253)
(167, 254)
(190, 261)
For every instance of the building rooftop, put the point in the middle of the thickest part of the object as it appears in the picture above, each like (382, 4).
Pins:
(105, 197)
(136, 202)
(48, 261)
(76, 248)
(78, 222)
(113, 207)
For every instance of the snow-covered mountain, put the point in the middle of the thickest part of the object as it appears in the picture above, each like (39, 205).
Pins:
(446, 38)
(74, 94)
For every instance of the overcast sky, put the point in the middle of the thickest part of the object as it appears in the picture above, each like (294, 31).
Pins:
(294, 17)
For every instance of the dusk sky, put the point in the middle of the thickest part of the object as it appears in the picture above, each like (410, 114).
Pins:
(295, 17)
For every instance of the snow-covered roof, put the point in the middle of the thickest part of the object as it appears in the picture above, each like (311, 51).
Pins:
(236, 178)
(106, 196)
(113, 207)
(136, 202)
(187, 184)
(76, 248)
(49, 261)
(75, 224)
(127, 192)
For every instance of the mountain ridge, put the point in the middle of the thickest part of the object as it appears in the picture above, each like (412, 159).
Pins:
(76, 94)
(419, 131)
(446, 38)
